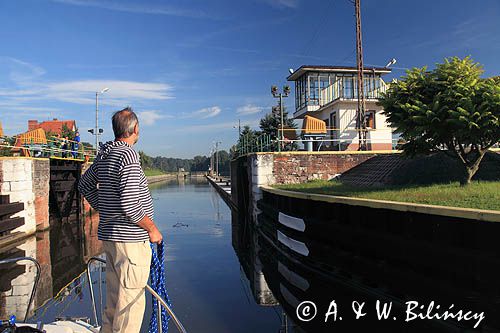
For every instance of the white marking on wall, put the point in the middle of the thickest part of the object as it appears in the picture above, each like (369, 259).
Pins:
(289, 297)
(292, 222)
(293, 244)
(292, 277)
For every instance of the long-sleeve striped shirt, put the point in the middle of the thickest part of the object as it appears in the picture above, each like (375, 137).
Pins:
(116, 186)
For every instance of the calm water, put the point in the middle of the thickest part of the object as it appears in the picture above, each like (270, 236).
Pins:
(206, 284)
(222, 275)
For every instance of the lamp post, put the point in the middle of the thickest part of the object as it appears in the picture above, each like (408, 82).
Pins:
(97, 131)
(217, 158)
(280, 95)
(239, 126)
(211, 173)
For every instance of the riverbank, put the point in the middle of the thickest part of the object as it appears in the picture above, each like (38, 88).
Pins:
(160, 178)
(478, 195)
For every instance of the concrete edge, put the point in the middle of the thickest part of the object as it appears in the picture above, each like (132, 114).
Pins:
(224, 195)
(333, 152)
(467, 213)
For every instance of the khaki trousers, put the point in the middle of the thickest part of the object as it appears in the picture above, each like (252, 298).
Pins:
(127, 273)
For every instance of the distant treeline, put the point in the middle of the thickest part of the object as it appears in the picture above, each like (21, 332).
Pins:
(197, 163)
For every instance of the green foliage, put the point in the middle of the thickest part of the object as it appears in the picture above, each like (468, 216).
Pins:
(146, 161)
(66, 132)
(449, 108)
(271, 122)
(197, 163)
(270, 125)
(153, 172)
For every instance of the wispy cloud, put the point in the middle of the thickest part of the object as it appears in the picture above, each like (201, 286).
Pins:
(462, 36)
(207, 112)
(248, 109)
(81, 91)
(219, 126)
(28, 94)
(20, 72)
(139, 8)
(283, 3)
(150, 117)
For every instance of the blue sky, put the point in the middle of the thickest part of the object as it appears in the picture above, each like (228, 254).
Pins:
(191, 69)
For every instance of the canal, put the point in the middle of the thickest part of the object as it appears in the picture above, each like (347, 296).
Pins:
(206, 284)
(223, 275)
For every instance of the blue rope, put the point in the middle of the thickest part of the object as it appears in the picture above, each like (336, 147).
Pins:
(157, 276)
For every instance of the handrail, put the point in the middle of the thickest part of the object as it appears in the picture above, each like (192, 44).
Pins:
(52, 147)
(160, 300)
(37, 278)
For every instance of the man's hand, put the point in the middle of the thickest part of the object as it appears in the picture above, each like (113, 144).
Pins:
(155, 235)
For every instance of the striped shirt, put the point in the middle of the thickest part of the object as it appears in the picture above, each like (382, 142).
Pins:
(116, 186)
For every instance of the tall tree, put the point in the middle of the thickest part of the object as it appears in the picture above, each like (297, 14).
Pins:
(447, 109)
(270, 124)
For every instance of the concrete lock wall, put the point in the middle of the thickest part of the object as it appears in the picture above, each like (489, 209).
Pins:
(26, 180)
(287, 168)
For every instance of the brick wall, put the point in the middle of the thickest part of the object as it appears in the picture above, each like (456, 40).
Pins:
(41, 178)
(292, 168)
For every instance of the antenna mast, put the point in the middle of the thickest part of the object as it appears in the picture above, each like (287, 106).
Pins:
(360, 115)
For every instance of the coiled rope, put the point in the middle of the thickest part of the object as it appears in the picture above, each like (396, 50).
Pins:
(157, 276)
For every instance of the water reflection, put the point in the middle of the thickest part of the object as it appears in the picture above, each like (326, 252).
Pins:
(205, 281)
(62, 253)
(276, 276)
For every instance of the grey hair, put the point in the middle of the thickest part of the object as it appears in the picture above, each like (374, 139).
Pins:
(124, 122)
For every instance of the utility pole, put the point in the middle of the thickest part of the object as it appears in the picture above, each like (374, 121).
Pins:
(360, 115)
(96, 122)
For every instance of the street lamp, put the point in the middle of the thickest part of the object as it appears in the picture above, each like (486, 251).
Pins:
(97, 130)
(239, 126)
(217, 158)
(280, 95)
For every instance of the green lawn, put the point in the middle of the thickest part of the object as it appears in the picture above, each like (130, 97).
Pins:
(153, 172)
(480, 195)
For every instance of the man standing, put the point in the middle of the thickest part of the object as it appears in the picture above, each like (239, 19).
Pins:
(116, 186)
(76, 142)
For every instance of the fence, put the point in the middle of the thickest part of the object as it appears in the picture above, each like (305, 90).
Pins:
(49, 148)
(248, 144)
(333, 140)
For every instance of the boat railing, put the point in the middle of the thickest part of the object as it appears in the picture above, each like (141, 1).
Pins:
(37, 279)
(161, 302)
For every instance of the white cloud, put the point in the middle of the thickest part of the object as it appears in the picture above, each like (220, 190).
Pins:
(82, 92)
(248, 109)
(207, 112)
(150, 117)
(139, 8)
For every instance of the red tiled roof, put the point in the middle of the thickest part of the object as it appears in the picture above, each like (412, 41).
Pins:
(55, 126)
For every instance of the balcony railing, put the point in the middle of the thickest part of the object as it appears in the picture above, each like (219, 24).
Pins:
(346, 88)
